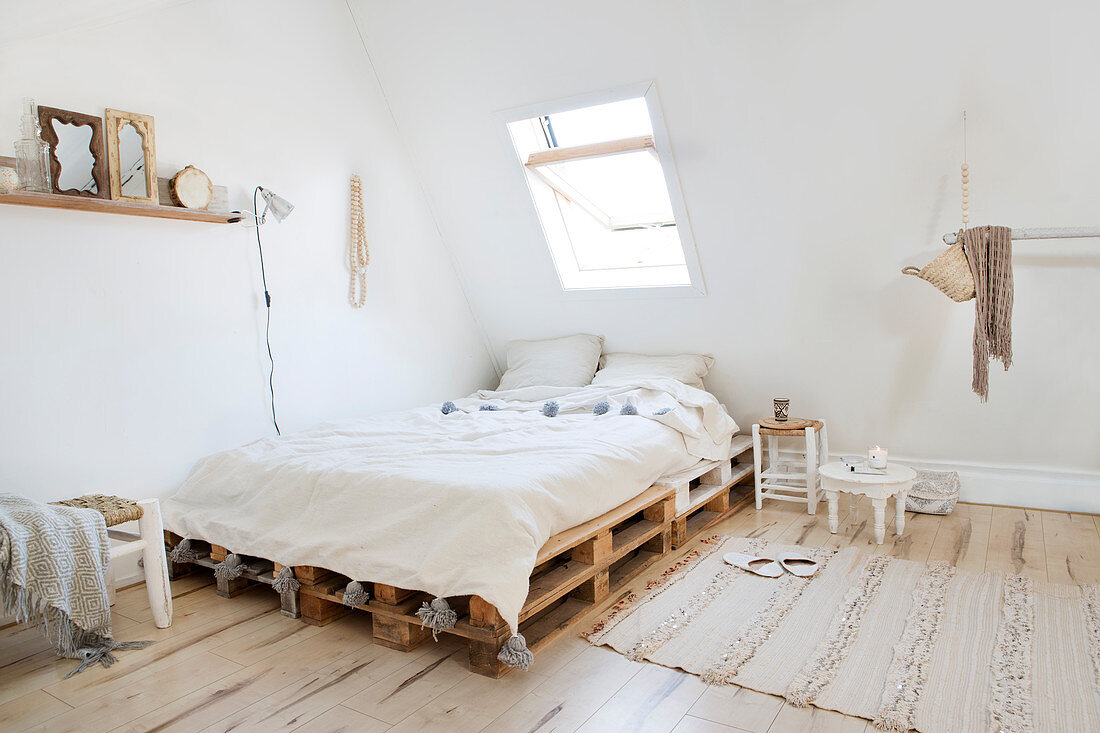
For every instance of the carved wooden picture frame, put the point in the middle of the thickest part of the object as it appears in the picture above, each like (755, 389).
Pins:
(116, 120)
(46, 116)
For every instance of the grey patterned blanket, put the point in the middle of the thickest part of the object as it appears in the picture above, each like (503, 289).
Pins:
(53, 574)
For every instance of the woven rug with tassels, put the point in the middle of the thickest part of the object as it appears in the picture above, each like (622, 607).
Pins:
(904, 644)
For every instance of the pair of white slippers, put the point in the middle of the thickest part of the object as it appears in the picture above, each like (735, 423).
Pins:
(793, 562)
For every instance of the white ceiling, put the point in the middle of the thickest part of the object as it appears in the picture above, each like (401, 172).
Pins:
(23, 20)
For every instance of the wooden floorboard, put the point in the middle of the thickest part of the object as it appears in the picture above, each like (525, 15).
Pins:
(238, 664)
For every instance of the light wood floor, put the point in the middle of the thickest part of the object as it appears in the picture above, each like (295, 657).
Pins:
(239, 665)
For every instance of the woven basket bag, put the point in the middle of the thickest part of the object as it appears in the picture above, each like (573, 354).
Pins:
(950, 272)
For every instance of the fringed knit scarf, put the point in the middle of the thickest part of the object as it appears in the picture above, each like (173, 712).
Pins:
(989, 250)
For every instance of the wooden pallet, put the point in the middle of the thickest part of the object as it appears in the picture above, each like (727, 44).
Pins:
(707, 492)
(258, 571)
(573, 571)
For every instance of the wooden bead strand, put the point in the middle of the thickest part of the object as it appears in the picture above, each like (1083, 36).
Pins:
(358, 254)
(965, 193)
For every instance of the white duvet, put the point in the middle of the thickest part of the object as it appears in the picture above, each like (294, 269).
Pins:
(451, 504)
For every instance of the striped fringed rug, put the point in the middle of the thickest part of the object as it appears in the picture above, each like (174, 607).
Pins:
(904, 644)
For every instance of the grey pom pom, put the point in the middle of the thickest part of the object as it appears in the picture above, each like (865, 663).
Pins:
(601, 408)
(355, 594)
(231, 568)
(628, 409)
(448, 407)
(663, 411)
(285, 582)
(488, 408)
(438, 616)
(550, 409)
(183, 553)
(515, 653)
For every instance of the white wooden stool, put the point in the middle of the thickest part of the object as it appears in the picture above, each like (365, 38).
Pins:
(149, 541)
(790, 480)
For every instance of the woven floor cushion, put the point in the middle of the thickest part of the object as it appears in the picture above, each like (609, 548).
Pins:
(933, 492)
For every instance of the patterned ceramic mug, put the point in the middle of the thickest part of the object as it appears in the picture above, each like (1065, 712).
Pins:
(782, 409)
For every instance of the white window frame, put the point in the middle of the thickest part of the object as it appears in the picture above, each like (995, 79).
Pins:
(540, 160)
(661, 147)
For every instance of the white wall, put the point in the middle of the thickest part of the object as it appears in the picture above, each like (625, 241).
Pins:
(818, 146)
(132, 347)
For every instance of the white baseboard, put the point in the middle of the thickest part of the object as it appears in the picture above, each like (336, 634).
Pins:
(129, 580)
(1024, 486)
(1034, 487)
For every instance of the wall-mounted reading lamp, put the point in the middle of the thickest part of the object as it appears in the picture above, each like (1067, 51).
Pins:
(280, 209)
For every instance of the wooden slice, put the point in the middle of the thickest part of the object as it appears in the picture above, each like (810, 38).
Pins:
(191, 189)
(793, 423)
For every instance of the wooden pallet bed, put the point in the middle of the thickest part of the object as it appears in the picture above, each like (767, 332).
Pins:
(258, 571)
(574, 570)
(707, 492)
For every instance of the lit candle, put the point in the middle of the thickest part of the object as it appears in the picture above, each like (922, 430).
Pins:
(876, 457)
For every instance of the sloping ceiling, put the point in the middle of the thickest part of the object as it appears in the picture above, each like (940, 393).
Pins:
(27, 20)
(818, 146)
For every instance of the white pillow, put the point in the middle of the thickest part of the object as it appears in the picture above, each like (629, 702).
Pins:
(569, 361)
(629, 368)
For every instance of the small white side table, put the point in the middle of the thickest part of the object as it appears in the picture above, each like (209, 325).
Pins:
(896, 482)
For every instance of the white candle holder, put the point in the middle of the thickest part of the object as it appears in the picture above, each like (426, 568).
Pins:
(876, 457)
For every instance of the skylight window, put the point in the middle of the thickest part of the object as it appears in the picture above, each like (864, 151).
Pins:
(606, 195)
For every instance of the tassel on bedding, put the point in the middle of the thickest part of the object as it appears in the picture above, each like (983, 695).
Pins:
(448, 407)
(550, 409)
(286, 582)
(628, 409)
(355, 594)
(438, 616)
(231, 568)
(515, 653)
(182, 553)
(601, 408)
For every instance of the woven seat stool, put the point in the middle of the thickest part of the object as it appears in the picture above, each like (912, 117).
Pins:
(149, 541)
(790, 480)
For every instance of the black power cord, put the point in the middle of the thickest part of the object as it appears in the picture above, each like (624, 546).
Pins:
(267, 300)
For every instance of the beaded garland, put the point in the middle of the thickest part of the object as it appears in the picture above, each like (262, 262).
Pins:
(358, 254)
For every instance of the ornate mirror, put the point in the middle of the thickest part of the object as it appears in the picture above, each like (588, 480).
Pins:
(78, 166)
(132, 157)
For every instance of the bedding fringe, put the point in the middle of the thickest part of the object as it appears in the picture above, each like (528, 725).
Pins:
(183, 553)
(231, 568)
(515, 653)
(355, 594)
(438, 616)
(65, 636)
(286, 582)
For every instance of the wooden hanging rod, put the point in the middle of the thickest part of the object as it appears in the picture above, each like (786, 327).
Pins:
(1040, 233)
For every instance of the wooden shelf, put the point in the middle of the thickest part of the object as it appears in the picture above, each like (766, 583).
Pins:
(107, 206)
